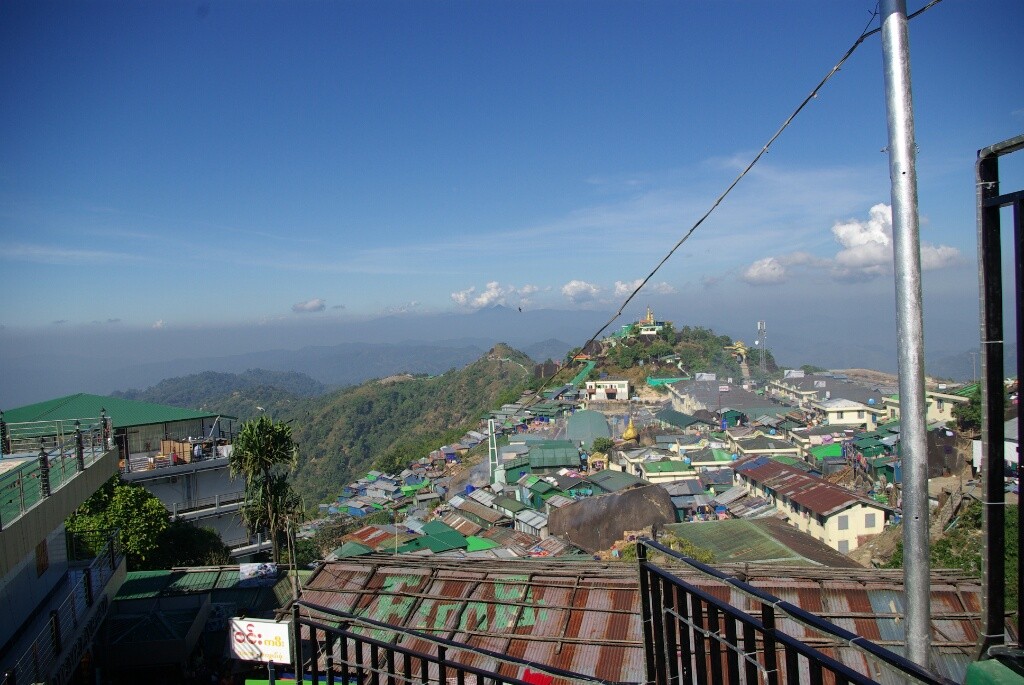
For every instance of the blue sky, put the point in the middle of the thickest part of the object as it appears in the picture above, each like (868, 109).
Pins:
(186, 164)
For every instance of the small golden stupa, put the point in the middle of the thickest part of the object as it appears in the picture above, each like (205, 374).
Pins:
(630, 433)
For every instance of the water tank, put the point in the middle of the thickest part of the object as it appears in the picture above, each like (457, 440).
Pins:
(871, 401)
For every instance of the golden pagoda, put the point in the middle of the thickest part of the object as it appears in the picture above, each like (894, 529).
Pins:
(630, 433)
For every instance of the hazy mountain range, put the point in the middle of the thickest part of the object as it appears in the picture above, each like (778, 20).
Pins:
(40, 365)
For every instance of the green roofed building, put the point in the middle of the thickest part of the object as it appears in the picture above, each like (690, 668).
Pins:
(179, 455)
(437, 537)
(830, 450)
(666, 471)
(587, 425)
(143, 424)
(552, 455)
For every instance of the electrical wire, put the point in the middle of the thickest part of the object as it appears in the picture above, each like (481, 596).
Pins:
(864, 35)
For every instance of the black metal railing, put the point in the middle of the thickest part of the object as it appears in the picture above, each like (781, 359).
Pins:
(692, 636)
(339, 648)
(991, 201)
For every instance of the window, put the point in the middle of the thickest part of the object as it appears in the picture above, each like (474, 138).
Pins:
(844, 522)
(844, 546)
(839, 414)
(869, 520)
(860, 415)
(941, 405)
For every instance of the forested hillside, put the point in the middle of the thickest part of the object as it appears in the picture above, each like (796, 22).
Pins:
(343, 434)
(200, 390)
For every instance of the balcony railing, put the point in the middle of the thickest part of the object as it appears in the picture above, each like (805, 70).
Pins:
(691, 636)
(80, 613)
(52, 453)
(345, 648)
(212, 502)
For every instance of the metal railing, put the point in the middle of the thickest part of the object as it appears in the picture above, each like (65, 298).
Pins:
(212, 502)
(992, 200)
(57, 456)
(692, 636)
(344, 651)
(42, 658)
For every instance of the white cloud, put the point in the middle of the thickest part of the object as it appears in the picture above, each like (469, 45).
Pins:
(314, 305)
(663, 288)
(767, 271)
(403, 308)
(938, 256)
(580, 291)
(493, 294)
(623, 288)
(158, 324)
(867, 247)
(44, 254)
(866, 244)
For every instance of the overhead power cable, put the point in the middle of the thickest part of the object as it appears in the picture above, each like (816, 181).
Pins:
(865, 34)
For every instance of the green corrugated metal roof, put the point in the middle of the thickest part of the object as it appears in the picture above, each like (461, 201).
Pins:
(613, 481)
(475, 544)
(734, 540)
(121, 412)
(512, 505)
(143, 584)
(671, 466)
(834, 449)
(351, 549)
(966, 391)
(554, 453)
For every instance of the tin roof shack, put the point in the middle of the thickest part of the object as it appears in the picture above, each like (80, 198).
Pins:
(596, 523)
(159, 618)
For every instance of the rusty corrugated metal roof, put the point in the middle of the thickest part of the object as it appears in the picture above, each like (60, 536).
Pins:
(584, 616)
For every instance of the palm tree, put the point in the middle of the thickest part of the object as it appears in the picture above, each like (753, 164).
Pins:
(262, 454)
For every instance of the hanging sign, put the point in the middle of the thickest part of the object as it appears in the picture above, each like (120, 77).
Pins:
(254, 639)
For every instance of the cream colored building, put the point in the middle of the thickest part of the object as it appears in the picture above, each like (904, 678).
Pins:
(938, 406)
(608, 389)
(840, 412)
(828, 512)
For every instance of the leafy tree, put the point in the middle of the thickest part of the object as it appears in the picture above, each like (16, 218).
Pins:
(139, 517)
(676, 544)
(183, 544)
(262, 454)
(968, 416)
(603, 445)
(960, 547)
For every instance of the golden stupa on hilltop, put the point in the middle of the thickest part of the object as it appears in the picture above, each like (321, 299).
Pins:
(630, 432)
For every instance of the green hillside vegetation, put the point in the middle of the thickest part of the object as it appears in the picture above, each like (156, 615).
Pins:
(345, 434)
(233, 394)
(694, 348)
(960, 547)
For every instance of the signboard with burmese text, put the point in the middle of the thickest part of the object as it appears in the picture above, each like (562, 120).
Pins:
(255, 639)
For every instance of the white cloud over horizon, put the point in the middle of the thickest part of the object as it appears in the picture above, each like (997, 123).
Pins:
(578, 292)
(314, 305)
(494, 293)
(866, 252)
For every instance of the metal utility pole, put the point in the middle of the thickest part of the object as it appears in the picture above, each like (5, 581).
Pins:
(762, 346)
(909, 328)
